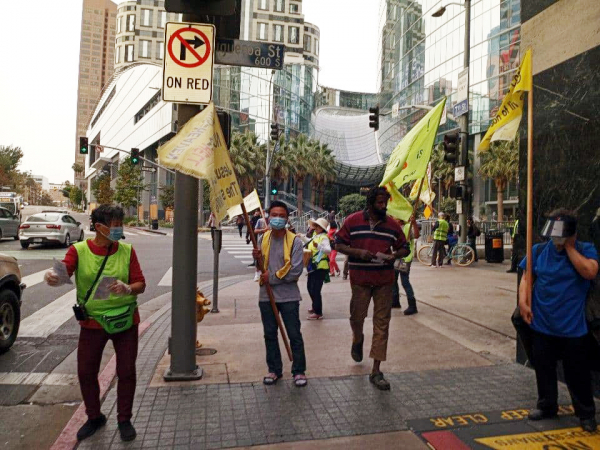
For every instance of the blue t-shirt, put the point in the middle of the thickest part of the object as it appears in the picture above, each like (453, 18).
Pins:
(559, 292)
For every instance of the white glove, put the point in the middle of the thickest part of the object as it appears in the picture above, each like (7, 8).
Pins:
(52, 279)
(120, 288)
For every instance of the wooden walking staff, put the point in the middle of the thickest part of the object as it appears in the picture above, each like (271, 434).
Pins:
(529, 192)
(268, 287)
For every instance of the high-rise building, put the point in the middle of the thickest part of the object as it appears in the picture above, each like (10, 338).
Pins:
(95, 65)
(140, 31)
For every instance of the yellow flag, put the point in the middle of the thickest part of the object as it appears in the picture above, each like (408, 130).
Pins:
(409, 159)
(427, 195)
(506, 123)
(252, 202)
(398, 206)
(199, 150)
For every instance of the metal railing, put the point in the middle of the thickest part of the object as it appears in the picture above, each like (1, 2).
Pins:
(505, 227)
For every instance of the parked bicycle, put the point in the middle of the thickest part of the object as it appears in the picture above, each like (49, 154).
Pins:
(461, 254)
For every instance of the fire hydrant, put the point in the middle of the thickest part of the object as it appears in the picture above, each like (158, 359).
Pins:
(201, 309)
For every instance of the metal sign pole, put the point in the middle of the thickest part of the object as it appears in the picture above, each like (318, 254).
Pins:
(217, 239)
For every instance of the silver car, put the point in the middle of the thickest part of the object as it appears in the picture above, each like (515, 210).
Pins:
(9, 224)
(50, 228)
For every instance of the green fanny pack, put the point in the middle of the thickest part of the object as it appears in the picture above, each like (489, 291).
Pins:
(117, 320)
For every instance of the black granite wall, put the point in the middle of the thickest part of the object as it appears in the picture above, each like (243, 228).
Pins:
(530, 8)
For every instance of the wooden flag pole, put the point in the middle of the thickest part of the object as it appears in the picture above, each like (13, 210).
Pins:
(260, 263)
(419, 196)
(529, 192)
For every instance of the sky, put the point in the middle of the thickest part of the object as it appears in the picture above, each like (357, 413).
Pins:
(40, 63)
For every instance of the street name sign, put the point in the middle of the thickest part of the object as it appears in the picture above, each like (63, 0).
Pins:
(462, 94)
(234, 52)
(188, 63)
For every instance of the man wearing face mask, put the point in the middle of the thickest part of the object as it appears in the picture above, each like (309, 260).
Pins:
(113, 315)
(281, 251)
(562, 270)
(373, 241)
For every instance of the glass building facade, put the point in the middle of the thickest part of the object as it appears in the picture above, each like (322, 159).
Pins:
(244, 93)
(421, 57)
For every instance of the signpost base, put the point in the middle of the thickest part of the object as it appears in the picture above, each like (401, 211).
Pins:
(195, 374)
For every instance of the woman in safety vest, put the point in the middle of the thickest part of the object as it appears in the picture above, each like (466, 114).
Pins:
(318, 266)
(108, 279)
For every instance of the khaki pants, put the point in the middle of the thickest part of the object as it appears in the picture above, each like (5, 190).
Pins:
(382, 313)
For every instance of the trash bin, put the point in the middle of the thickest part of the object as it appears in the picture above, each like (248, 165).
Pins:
(154, 224)
(494, 246)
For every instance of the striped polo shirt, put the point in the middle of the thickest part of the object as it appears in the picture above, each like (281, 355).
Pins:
(386, 235)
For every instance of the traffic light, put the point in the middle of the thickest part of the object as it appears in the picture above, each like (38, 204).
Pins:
(451, 142)
(83, 145)
(274, 131)
(374, 117)
(458, 192)
(135, 156)
(225, 121)
(206, 7)
(260, 187)
(274, 189)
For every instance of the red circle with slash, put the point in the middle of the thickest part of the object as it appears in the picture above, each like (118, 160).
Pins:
(200, 59)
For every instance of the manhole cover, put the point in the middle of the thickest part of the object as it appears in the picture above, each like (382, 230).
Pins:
(205, 351)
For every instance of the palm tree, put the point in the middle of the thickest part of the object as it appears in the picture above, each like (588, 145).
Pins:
(248, 158)
(501, 164)
(324, 166)
(300, 149)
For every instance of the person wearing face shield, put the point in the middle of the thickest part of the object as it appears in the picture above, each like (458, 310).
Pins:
(562, 270)
(108, 278)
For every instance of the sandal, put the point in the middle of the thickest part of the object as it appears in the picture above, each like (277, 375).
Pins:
(380, 383)
(271, 379)
(300, 380)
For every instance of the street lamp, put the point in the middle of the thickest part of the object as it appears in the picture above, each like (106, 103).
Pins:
(463, 120)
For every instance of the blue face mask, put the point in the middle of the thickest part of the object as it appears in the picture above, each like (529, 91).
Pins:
(277, 223)
(115, 234)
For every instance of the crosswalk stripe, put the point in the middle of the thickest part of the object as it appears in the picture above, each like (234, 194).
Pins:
(37, 378)
(239, 252)
(47, 320)
(240, 256)
(34, 278)
(167, 279)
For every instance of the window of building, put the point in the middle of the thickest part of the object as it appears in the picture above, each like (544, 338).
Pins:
(280, 5)
(129, 53)
(117, 55)
(160, 49)
(307, 43)
(119, 22)
(162, 19)
(263, 4)
(278, 33)
(317, 47)
(262, 31)
(294, 8)
(145, 49)
(131, 22)
(293, 35)
(146, 17)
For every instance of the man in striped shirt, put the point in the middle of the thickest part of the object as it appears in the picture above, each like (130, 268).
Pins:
(373, 241)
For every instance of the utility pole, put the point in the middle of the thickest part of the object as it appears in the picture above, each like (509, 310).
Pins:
(268, 159)
(464, 132)
(182, 343)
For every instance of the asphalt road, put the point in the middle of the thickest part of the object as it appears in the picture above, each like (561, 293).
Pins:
(48, 334)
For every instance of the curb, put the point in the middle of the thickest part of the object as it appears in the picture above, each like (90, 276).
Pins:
(147, 230)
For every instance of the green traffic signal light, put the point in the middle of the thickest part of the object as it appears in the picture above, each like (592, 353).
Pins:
(135, 156)
(83, 145)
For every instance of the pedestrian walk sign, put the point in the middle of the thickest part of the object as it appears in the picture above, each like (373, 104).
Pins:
(188, 63)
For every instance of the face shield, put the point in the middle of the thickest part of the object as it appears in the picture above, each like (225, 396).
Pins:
(559, 228)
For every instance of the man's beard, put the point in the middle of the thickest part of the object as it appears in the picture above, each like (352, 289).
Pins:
(380, 213)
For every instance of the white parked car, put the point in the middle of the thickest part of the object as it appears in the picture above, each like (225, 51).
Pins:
(50, 228)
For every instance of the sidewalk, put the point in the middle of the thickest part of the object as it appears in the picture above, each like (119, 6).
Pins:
(450, 367)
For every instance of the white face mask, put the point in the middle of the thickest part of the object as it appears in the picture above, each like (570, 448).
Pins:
(558, 241)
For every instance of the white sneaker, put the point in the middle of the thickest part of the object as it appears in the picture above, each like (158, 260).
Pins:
(256, 276)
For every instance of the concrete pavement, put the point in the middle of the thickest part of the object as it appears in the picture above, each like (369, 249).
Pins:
(450, 367)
